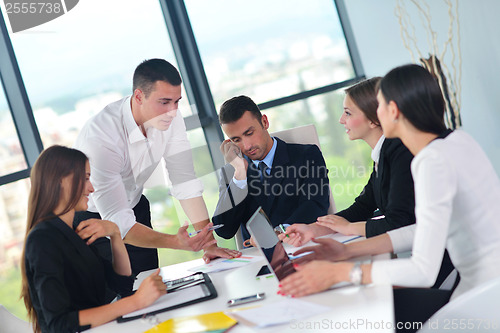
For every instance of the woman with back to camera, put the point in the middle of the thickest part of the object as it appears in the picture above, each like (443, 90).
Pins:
(63, 279)
(456, 194)
(390, 187)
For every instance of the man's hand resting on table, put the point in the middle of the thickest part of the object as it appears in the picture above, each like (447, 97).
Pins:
(213, 251)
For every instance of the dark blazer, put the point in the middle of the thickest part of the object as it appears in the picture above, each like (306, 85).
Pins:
(296, 191)
(65, 275)
(390, 189)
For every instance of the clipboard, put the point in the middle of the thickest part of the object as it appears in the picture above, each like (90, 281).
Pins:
(202, 290)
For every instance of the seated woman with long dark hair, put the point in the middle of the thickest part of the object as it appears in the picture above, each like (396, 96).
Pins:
(64, 279)
(387, 201)
(456, 195)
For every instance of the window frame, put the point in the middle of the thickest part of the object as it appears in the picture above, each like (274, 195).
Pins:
(19, 106)
(191, 68)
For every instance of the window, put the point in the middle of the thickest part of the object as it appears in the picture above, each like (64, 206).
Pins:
(76, 64)
(13, 213)
(11, 153)
(88, 63)
(72, 67)
(349, 163)
(269, 49)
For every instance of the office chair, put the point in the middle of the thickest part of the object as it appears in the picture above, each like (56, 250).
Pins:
(12, 324)
(476, 310)
(306, 134)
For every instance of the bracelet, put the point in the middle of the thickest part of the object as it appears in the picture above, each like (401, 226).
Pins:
(356, 274)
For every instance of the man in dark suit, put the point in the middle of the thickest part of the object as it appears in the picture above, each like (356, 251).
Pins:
(289, 181)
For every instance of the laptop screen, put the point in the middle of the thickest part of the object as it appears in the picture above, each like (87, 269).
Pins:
(268, 243)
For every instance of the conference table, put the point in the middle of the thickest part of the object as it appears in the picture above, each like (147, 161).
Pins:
(364, 308)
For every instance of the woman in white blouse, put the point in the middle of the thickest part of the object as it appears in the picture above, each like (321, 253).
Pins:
(456, 196)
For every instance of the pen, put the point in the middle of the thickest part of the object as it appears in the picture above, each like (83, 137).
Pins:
(211, 228)
(282, 230)
(351, 239)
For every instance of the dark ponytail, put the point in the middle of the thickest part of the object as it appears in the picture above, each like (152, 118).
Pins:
(417, 95)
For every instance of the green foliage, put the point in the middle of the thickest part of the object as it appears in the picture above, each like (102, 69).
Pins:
(10, 290)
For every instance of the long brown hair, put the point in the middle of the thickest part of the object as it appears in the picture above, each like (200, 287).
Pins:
(364, 95)
(53, 164)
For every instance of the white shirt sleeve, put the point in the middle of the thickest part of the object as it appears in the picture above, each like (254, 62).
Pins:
(402, 238)
(110, 196)
(179, 162)
(435, 188)
(241, 183)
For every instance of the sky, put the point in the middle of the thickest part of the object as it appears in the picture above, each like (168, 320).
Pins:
(99, 43)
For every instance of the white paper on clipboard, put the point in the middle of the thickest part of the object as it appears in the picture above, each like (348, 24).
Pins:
(172, 299)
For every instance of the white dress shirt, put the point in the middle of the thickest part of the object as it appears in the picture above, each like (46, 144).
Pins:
(122, 159)
(457, 194)
(376, 151)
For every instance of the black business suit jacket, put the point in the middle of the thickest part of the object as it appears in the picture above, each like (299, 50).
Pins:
(296, 191)
(389, 189)
(65, 275)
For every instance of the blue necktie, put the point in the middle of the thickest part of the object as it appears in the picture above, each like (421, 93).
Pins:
(262, 168)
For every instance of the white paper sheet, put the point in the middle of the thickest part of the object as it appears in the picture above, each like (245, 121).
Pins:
(174, 298)
(280, 312)
(222, 264)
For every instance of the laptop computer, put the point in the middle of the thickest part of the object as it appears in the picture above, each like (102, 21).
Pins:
(278, 260)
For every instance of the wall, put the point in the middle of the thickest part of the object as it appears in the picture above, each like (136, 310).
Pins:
(377, 34)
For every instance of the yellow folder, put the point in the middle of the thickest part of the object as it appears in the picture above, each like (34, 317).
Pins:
(194, 324)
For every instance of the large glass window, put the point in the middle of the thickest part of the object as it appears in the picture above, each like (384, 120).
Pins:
(13, 212)
(75, 65)
(11, 153)
(72, 67)
(269, 49)
(85, 59)
(348, 162)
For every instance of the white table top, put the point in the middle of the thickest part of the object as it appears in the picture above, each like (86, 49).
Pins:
(353, 308)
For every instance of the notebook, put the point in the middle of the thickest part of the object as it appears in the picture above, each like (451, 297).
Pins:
(208, 322)
(194, 290)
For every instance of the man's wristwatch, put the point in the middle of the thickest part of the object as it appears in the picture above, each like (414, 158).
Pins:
(356, 274)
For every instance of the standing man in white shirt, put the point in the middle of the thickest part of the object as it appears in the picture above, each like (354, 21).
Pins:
(124, 143)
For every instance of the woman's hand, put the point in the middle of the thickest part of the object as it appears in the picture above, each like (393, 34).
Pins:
(150, 290)
(314, 277)
(95, 228)
(327, 249)
(336, 223)
(299, 234)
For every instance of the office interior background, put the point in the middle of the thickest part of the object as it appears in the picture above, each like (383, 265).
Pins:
(293, 57)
